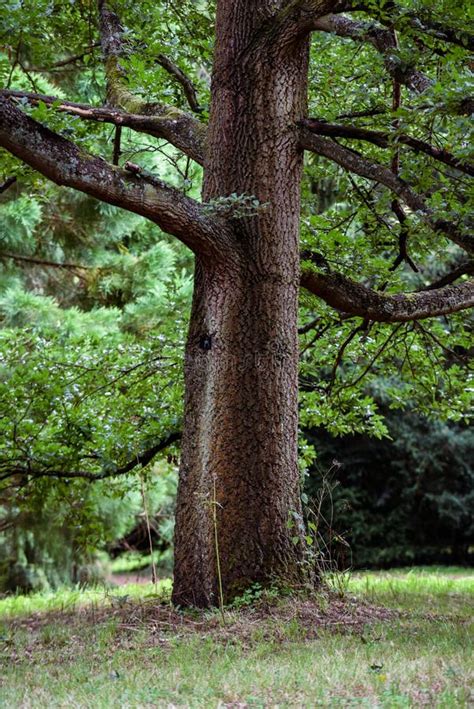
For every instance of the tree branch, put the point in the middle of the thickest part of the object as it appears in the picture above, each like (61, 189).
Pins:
(65, 164)
(353, 298)
(111, 43)
(182, 131)
(403, 255)
(8, 183)
(295, 17)
(119, 95)
(142, 459)
(386, 140)
(464, 269)
(43, 262)
(63, 62)
(384, 41)
(401, 18)
(117, 145)
(188, 87)
(340, 354)
(353, 162)
(380, 38)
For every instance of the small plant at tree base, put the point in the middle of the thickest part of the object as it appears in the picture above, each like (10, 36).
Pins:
(249, 597)
(326, 550)
(256, 593)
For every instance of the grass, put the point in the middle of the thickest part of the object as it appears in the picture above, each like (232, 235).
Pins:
(68, 599)
(137, 653)
(436, 589)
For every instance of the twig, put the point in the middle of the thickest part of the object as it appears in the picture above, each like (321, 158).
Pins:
(117, 148)
(373, 360)
(188, 87)
(342, 349)
(45, 262)
(154, 576)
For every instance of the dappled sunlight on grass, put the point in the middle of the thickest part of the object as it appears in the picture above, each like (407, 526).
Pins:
(443, 589)
(66, 599)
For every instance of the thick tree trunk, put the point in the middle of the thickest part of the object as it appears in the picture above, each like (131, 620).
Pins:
(239, 454)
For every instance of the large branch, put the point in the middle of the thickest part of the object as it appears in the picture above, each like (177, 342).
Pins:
(385, 42)
(353, 298)
(113, 50)
(66, 164)
(353, 162)
(181, 130)
(386, 140)
(296, 17)
(387, 13)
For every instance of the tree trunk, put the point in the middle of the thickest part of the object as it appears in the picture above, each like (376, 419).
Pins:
(239, 455)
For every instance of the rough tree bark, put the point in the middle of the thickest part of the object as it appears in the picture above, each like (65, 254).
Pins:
(240, 431)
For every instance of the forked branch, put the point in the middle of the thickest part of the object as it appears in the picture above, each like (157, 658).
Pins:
(380, 38)
(419, 22)
(188, 130)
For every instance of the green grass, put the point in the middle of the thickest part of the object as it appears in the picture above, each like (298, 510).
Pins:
(124, 657)
(67, 599)
(429, 589)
